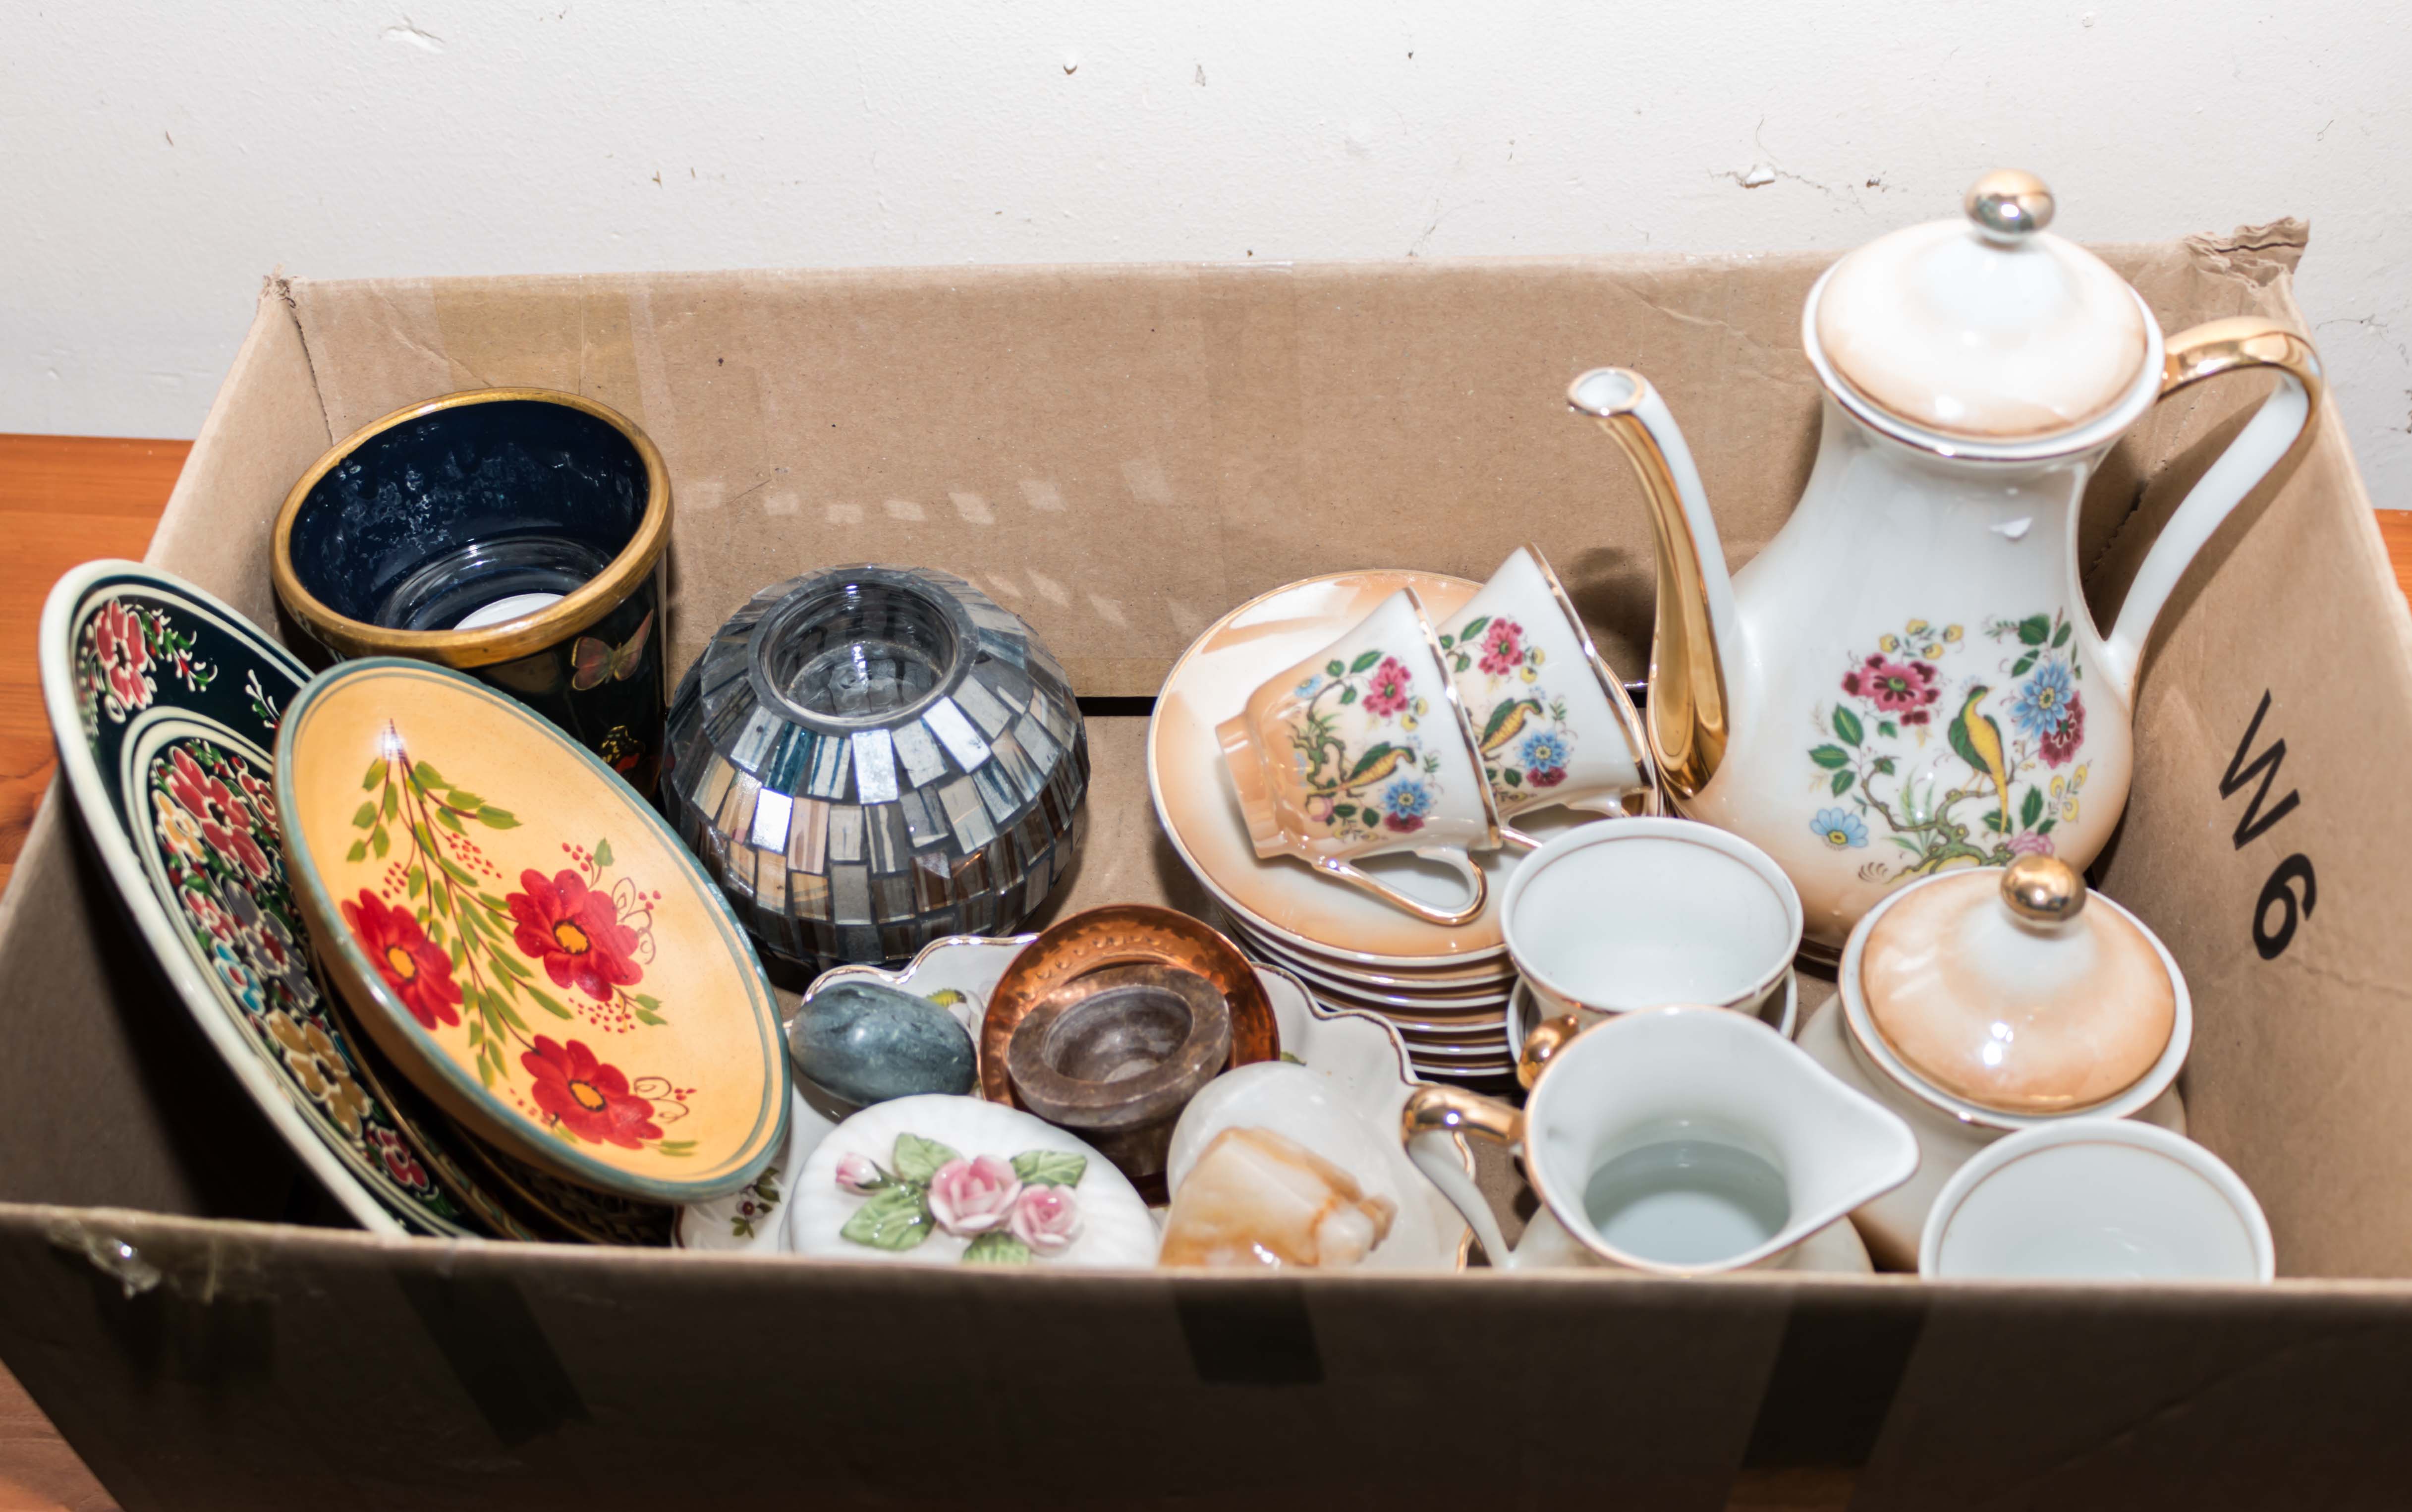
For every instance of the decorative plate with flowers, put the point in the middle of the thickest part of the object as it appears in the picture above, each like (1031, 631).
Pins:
(164, 701)
(1362, 765)
(514, 922)
(1946, 748)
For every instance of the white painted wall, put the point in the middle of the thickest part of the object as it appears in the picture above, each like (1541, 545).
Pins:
(156, 158)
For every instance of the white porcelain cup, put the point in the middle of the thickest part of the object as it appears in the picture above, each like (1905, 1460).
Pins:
(2096, 1198)
(1682, 1141)
(1551, 722)
(1631, 914)
(1362, 750)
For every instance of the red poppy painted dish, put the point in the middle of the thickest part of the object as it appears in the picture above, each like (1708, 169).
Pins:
(525, 938)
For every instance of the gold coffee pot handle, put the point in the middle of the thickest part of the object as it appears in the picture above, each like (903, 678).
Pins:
(2279, 429)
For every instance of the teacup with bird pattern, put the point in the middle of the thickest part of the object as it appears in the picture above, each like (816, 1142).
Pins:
(1361, 750)
(1551, 723)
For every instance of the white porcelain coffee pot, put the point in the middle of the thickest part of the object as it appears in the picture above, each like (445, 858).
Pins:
(1907, 678)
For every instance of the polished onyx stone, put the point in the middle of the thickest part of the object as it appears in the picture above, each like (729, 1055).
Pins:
(866, 1043)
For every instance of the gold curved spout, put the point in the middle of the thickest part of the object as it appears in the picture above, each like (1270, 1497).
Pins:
(1687, 713)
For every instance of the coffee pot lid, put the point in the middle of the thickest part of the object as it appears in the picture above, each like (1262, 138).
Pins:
(1988, 328)
(2002, 989)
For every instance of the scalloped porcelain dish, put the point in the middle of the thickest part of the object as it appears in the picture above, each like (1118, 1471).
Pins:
(165, 702)
(525, 938)
(1362, 1063)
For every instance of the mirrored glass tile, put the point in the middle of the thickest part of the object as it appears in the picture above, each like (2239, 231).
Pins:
(849, 895)
(933, 883)
(861, 942)
(982, 706)
(919, 751)
(737, 810)
(786, 771)
(891, 896)
(714, 788)
(770, 879)
(830, 760)
(966, 815)
(956, 734)
(1041, 746)
(760, 729)
(1009, 682)
(770, 831)
(925, 819)
(993, 790)
(808, 836)
(1012, 649)
(874, 767)
(1025, 777)
(722, 723)
(808, 895)
(1060, 718)
(845, 833)
(890, 848)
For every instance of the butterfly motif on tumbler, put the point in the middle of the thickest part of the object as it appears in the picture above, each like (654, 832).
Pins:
(594, 663)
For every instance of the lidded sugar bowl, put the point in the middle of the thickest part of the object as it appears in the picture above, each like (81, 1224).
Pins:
(1992, 999)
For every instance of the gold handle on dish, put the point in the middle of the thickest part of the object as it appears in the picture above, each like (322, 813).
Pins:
(1437, 1109)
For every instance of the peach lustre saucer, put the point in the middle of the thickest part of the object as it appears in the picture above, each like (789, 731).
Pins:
(524, 938)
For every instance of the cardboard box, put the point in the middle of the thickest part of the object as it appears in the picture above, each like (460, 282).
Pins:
(1120, 453)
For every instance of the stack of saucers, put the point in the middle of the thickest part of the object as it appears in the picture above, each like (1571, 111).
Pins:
(1444, 988)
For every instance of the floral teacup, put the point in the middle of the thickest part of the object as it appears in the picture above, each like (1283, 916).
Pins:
(1363, 749)
(1553, 723)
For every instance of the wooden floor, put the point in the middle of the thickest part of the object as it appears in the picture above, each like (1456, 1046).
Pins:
(69, 499)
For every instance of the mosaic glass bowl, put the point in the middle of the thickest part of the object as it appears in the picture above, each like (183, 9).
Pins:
(872, 759)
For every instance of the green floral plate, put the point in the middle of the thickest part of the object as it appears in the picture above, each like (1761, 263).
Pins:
(165, 702)
(526, 939)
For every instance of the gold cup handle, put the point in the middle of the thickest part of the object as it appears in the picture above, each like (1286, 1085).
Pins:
(1547, 1037)
(1431, 1114)
(2279, 429)
(1477, 884)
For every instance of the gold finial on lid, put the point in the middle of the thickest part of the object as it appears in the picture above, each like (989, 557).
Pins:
(2043, 889)
(2008, 205)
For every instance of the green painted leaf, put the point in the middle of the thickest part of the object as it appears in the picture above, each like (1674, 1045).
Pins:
(359, 851)
(369, 779)
(417, 884)
(1348, 696)
(1888, 729)
(645, 1000)
(2023, 663)
(1343, 811)
(1994, 820)
(502, 957)
(603, 852)
(917, 1159)
(1512, 777)
(1049, 1167)
(1473, 628)
(450, 820)
(485, 1072)
(365, 817)
(503, 1009)
(2045, 827)
(1294, 1059)
(1883, 768)
(2034, 630)
(466, 801)
(1847, 725)
(649, 1016)
(392, 802)
(2060, 636)
(2032, 809)
(895, 1219)
(1364, 661)
(1335, 668)
(1830, 756)
(545, 1001)
(676, 1148)
(997, 1247)
(1842, 783)
(378, 843)
(427, 776)
(494, 819)
(1373, 753)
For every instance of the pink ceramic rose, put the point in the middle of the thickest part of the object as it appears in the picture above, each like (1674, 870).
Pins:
(1048, 1219)
(859, 1174)
(972, 1196)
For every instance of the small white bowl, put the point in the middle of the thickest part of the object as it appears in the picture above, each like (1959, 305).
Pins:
(2097, 1199)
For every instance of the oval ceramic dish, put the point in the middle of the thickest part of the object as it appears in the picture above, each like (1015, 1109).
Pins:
(165, 702)
(524, 936)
